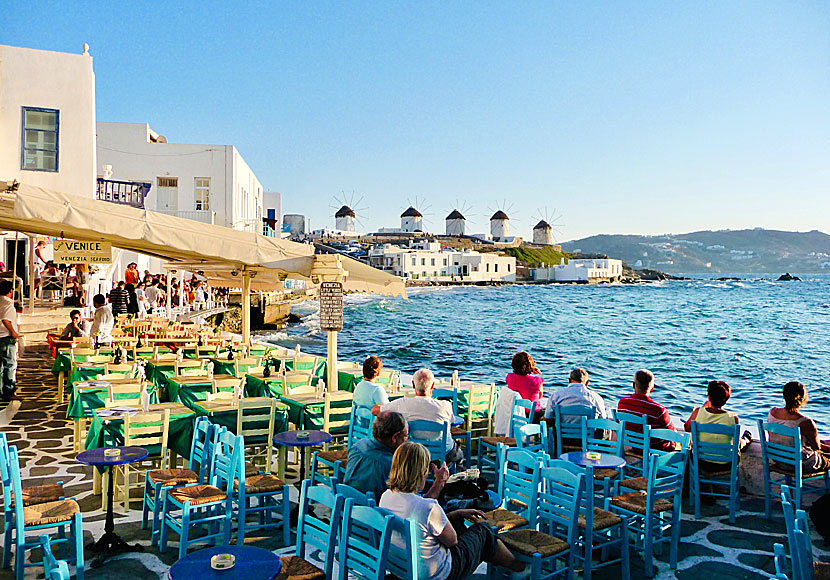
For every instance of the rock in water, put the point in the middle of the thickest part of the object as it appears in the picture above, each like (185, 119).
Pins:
(293, 318)
(788, 278)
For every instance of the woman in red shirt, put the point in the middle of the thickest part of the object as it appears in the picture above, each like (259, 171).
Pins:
(526, 381)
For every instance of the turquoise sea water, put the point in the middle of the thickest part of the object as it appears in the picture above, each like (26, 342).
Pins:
(754, 334)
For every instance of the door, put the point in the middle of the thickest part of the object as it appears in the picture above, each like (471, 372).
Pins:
(18, 256)
(167, 194)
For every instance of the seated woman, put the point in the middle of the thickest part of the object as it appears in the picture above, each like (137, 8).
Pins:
(448, 549)
(367, 393)
(712, 412)
(526, 381)
(815, 454)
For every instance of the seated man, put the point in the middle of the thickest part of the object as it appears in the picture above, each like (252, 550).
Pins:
(76, 327)
(640, 403)
(367, 393)
(423, 407)
(370, 460)
(577, 393)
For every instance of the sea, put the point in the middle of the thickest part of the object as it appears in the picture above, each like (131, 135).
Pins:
(755, 333)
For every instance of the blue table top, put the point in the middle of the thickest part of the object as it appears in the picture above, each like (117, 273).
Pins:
(456, 421)
(605, 461)
(97, 457)
(290, 438)
(251, 564)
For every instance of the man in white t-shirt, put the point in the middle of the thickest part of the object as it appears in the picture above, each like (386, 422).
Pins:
(8, 341)
(423, 407)
(102, 322)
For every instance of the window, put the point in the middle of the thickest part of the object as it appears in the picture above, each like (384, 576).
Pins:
(487, 267)
(423, 261)
(168, 182)
(413, 261)
(496, 267)
(445, 261)
(508, 267)
(202, 189)
(433, 262)
(39, 151)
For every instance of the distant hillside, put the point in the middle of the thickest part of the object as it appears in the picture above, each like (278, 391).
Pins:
(722, 252)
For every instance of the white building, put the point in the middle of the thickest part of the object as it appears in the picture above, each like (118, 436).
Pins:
(583, 270)
(500, 226)
(412, 221)
(455, 223)
(207, 183)
(47, 128)
(427, 261)
(272, 212)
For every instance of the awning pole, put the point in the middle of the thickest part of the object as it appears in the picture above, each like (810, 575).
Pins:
(32, 288)
(332, 383)
(246, 307)
(169, 292)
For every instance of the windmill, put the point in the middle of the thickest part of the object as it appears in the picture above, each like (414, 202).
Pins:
(500, 222)
(456, 219)
(412, 220)
(348, 206)
(549, 227)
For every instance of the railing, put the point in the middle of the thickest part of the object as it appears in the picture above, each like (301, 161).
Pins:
(268, 231)
(199, 215)
(130, 193)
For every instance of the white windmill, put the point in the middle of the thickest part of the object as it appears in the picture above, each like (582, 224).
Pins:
(455, 221)
(500, 222)
(345, 217)
(546, 230)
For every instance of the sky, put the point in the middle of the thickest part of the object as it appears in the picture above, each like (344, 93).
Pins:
(602, 117)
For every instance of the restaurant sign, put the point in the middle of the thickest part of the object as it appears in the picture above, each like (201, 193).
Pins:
(76, 251)
(331, 306)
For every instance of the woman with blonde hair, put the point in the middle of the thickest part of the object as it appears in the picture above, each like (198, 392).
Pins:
(448, 549)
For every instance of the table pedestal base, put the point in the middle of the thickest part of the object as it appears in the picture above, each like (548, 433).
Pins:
(111, 544)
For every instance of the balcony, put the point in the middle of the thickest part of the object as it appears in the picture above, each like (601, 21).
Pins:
(205, 216)
(130, 193)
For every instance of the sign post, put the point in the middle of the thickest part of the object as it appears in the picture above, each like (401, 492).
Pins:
(331, 320)
(76, 251)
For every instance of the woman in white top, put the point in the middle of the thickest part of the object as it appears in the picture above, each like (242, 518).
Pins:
(815, 454)
(448, 549)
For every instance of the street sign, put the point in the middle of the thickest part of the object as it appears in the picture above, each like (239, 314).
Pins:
(331, 306)
(75, 251)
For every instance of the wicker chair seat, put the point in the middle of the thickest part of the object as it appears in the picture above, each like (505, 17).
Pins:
(458, 431)
(40, 494)
(505, 519)
(509, 441)
(725, 472)
(636, 502)
(635, 483)
(785, 469)
(602, 473)
(295, 568)
(197, 494)
(529, 542)
(340, 455)
(51, 512)
(250, 469)
(602, 519)
(169, 477)
(570, 448)
(260, 483)
(634, 452)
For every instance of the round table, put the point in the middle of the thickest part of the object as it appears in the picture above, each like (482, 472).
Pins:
(251, 564)
(457, 421)
(111, 543)
(291, 439)
(605, 461)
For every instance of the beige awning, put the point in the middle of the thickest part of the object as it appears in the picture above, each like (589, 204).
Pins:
(197, 245)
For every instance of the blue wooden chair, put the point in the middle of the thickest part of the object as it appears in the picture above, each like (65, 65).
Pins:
(680, 439)
(636, 441)
(488, 456)
(550, 551)
(314, 533)
(458, 434)
(364, 542)
(599, 529)
(31, 494)
(404, 552)
(359, 497)
(781, 455)
(265, 489)
(658, 510)
(533, 438)
(210, 504)
(780, 560)
(53, 569)
(604, 481)
(42, 516)
(568, 426)
(518, 485)
(325, 470)
(360, 424)
(433, 435)
(205, 436)
(715, 463)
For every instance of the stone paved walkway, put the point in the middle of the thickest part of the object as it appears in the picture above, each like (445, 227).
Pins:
(710, 547)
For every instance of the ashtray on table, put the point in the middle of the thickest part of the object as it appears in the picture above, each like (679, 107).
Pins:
(112, 452)
(302, 434)
(593, 456)
(222, 561)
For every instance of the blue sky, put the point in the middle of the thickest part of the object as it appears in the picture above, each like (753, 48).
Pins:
(626, 117)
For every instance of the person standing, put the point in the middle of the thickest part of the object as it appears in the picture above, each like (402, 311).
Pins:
(119, 299)
(8, 341)
(102, 322)
(132, 275)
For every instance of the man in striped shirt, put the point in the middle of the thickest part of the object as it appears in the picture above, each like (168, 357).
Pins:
(640, 403)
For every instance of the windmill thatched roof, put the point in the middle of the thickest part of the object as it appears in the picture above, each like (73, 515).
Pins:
(542, 225)
(455, 215)
(499, 215)
(411, 212)
(344, 211)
